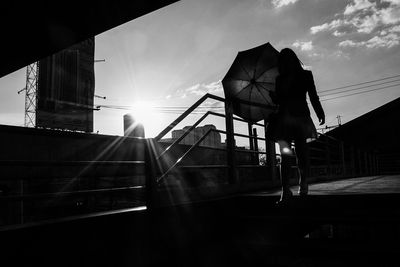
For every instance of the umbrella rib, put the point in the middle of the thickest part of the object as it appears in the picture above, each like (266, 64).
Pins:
(255, 66)
(251, 91)
(269, 102)
(261, 74)
(244, 88)
(250, 109)
(260, 83)
(248, 74)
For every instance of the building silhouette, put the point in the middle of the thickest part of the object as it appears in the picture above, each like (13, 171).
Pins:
(213, 138)
(131, 127)
(65, 91)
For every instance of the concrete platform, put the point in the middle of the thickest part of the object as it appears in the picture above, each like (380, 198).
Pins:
(353, 222)
(383, 184)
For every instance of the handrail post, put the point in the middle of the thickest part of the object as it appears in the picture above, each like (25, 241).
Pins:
(370, 172)
(359, 170)
(150, 175)
(251, 142)
(270, 155)
(342, 158)
(22, 208)
(328, 158)
(230, 143)
(365, 160)
(256, 155)
(352, 161)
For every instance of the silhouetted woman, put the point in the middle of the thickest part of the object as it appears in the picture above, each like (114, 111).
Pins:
(293, 121)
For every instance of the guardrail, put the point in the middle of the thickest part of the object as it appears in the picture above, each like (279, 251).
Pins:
(33, 191)
(330, 158)
(333, 158)
(229, 149)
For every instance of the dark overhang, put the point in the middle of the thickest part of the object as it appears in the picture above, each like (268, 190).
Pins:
(377, 130)
(35, 29)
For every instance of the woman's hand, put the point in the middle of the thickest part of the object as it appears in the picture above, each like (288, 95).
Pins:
(321, 120)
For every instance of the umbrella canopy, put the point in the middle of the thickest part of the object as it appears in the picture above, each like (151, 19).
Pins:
(251, 78)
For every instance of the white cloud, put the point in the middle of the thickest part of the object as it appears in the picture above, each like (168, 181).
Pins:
(390, 15)
(364, 16)
(201, 89)
(213, 87)
(304, 46)
(281, 3)
(393, 2)
(366, 24)
(340, 54)
(349, 43)
(338, 34)
(319, 28)
(372, 23)
(394, 29)
(358, 5)
(211, 103)
(386, 41)
(327, 26)
(194, 89)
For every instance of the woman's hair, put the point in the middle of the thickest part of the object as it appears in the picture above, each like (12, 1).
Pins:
(288, 62)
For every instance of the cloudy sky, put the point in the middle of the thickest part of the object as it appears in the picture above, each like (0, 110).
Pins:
(171, 57)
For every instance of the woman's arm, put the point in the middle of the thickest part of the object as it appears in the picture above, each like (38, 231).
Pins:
(312, 93)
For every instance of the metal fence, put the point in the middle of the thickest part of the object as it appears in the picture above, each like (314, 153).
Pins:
(35, 191)
(39, 190)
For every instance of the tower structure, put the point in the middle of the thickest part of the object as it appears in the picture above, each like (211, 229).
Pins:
(32, 72)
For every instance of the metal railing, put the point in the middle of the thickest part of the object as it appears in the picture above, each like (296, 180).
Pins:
(176, 142)
(330, 158)
(37, 190)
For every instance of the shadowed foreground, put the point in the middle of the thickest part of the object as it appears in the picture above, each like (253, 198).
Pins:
(356, 224)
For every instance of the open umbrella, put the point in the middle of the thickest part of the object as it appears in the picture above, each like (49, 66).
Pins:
(249, 82)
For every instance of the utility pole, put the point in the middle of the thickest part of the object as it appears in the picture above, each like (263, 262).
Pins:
(339, 120)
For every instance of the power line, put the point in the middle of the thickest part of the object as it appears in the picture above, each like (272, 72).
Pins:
(356, 84)
(200, 109)
(362, 87)
(363, 92)
(168, 111)
(160, 108)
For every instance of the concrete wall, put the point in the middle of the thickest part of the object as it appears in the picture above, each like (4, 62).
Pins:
(19, 143)
(37, 161)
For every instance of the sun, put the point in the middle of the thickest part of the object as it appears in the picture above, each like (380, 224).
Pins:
(144, 113)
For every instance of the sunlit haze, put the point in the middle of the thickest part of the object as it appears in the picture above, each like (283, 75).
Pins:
(159, 64)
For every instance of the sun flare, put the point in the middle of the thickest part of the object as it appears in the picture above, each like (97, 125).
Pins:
(146, 114)
(143, 112)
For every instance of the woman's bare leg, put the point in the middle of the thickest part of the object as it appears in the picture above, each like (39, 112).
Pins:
(302, 153)
(285, 170)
